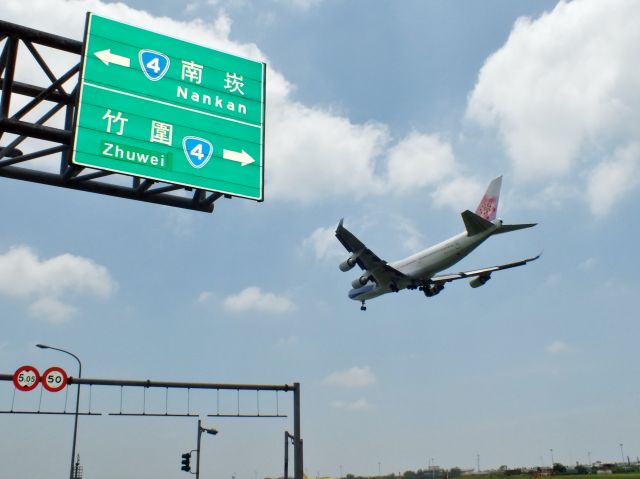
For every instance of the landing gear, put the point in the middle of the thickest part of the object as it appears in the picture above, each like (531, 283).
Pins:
(432, 289)
(363, 307)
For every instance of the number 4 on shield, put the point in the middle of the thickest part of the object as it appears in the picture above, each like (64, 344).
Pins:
(154, 64)
(197, 150)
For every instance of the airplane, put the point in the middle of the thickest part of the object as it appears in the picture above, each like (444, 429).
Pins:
(420, 271)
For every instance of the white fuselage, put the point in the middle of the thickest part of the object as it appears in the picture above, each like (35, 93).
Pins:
(427, 263)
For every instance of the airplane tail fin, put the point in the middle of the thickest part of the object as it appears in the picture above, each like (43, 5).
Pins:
(488, 206)
(486, 211)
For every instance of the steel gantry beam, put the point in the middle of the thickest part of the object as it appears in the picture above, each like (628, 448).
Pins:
(57, 97)
(296, 438)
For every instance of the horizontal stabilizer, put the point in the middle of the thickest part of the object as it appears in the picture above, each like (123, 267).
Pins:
(507, 228)
(475, 224)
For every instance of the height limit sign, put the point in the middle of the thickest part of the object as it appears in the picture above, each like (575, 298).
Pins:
(160, 108)
(26, 378)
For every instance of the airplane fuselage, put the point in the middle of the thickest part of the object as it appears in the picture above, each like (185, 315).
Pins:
(420, 267)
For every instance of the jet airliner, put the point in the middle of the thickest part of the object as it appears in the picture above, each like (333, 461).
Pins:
(420, 271)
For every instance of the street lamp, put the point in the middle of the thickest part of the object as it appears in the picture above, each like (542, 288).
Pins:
(200, 431)
(75, 423)
(622, 453)
(552, 461)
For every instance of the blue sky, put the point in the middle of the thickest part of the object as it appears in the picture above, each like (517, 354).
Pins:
(395, 116)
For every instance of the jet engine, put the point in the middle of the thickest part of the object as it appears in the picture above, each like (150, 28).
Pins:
(359, 281)
(479, 280)
(348, 263)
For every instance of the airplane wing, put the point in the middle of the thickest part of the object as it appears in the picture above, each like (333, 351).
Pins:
(382, 273)
(483, 272)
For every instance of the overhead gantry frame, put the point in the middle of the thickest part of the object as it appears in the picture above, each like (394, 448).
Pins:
(58, 96)
(296, 438)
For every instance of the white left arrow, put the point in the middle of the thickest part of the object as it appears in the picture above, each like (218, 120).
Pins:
(107, 57)
(241, 157)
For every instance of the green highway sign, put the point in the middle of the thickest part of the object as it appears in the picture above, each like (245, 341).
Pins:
(160, 108)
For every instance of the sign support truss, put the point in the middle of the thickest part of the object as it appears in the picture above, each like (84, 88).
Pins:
(56, 98)
(296, 439)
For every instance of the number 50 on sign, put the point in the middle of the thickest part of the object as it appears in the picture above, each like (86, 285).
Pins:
(54, 379)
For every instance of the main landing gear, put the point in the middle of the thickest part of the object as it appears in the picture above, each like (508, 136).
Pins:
(363, 307)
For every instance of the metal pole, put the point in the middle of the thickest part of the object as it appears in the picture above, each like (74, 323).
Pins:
(198, 450)
(286, 455)
(622, 453)
(75, 421)
(297, 441)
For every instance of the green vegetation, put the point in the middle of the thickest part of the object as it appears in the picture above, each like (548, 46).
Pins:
(632, 472)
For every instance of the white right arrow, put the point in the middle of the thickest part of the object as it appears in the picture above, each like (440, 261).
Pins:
(241, 157)
(107, 57)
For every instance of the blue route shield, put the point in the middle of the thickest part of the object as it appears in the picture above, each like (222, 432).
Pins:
(197, 150)
(154, 64)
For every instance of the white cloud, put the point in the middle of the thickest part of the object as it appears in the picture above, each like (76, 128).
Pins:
(354, 377)
(24, 275)
(460, 193)
(609, 181)
(314, 152)
(554, 195)
(419, 160)
(253, 299)
(563, 88)
(410, 236)
(357, 405)
(553, 280)
(191, 7)
(557, 347)
(301, 4)
(287, 342)
(588, 264)
(323, 243)
(52, 310)
(204, 296)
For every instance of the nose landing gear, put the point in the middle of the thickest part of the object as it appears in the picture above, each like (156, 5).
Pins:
(363, 307)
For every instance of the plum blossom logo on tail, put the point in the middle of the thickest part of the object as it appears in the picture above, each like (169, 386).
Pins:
(488, 208)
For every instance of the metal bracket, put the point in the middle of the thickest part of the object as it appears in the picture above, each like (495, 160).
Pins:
(55, 98)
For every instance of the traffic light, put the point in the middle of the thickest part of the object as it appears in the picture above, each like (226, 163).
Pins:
(186, 462)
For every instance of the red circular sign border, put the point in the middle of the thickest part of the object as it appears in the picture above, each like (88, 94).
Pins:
(64, 382)
(17, 373)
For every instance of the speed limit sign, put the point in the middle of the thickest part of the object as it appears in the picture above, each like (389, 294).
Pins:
(26, 378)
(54, 379)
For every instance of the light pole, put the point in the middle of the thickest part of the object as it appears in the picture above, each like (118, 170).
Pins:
(622, 453)
(200, 431)
(289, 437)
(552, 461)
(75, 422)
